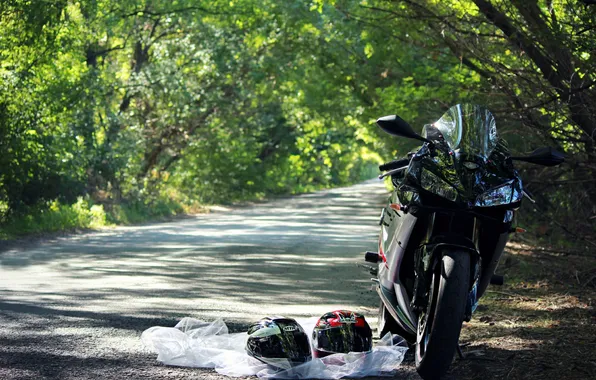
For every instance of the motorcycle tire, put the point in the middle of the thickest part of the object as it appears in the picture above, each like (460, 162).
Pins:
(439, 327)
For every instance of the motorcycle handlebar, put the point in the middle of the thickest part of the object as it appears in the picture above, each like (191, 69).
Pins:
(394, 164)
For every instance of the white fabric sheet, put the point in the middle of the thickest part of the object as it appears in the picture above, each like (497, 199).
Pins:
(195, 343)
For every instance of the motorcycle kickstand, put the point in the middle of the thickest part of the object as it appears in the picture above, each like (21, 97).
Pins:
(460, 353)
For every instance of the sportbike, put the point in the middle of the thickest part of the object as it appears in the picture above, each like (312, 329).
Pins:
(444, 228)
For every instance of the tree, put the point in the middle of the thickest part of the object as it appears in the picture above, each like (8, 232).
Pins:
(535, 62)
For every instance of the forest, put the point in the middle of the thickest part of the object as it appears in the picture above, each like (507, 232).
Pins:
(119, 111)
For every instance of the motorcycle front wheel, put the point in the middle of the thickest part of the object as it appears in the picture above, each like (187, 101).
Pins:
(440, 325)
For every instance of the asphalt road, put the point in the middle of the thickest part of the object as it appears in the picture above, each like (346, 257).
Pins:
(75, 307)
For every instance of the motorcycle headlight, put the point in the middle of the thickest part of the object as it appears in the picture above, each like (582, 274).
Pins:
(502, 195)
(432, 183)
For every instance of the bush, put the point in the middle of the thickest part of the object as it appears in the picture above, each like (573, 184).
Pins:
(54, 216)
(138, 211)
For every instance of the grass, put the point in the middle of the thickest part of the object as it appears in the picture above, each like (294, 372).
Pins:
(142, 211)
(540, 325)
(57, 217)
(54, 217)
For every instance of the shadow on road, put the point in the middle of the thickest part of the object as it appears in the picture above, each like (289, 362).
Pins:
(301, 250)
(75, 308)
(89, 296)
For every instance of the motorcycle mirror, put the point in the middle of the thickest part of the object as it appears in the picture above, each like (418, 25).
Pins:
(543, 156)
(395, 125)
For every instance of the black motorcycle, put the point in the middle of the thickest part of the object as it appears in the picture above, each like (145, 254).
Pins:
(445, 227)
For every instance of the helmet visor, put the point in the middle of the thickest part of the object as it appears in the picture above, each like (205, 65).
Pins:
(344, 339)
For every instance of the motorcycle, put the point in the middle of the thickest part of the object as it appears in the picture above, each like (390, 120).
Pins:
(444, 229)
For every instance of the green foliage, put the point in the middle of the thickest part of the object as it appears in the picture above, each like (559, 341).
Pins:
(223, 102)
(146, 106)
(54, 216)
(528, 61)
(138, 211)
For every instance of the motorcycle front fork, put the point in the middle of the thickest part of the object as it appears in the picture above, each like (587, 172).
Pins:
(472, 303)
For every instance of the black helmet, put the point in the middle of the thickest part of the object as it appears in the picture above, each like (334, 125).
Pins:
(279, 342)
(341, 331)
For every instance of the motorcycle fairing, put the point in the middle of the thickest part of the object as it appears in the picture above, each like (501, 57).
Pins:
(479, 173)
(401, 315)
(393, 245)
(434, 177)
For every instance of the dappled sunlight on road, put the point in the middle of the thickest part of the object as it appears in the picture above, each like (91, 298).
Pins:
(295, 256)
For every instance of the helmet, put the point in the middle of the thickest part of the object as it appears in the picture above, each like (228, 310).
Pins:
(341, 331)
(278, 341)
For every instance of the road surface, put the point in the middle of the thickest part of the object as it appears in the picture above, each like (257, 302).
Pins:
(75, 307)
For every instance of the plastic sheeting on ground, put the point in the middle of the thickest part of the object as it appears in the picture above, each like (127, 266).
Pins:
(194, 343)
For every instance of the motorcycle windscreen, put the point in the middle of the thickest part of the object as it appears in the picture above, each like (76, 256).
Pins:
(469, 128)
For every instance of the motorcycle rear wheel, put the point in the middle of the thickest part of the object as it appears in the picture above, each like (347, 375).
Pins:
(439, 327)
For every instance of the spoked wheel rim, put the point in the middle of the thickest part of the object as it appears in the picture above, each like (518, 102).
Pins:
(426, 318)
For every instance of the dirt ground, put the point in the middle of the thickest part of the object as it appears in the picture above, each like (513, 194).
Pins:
(540, 325)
